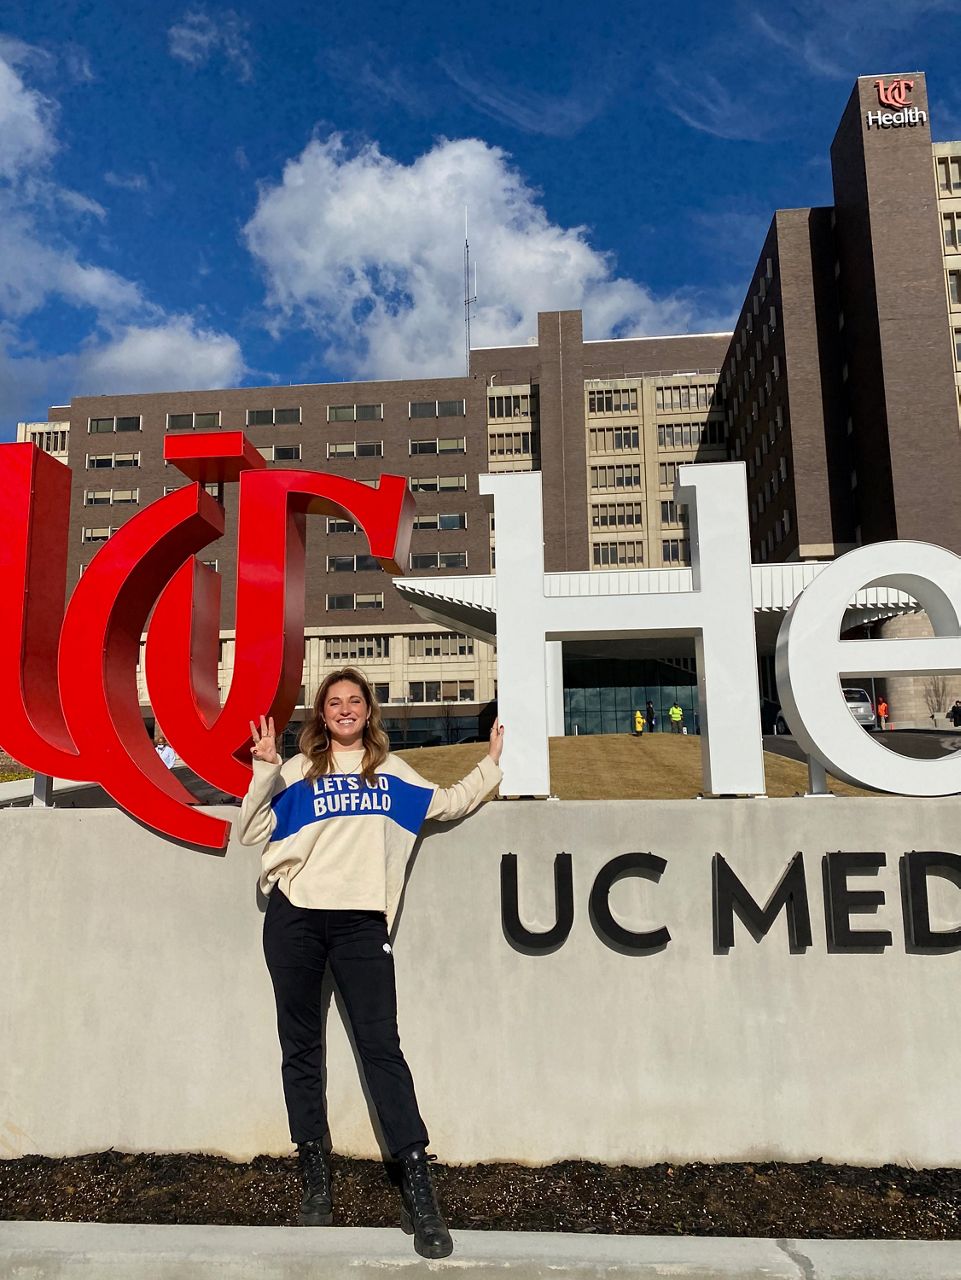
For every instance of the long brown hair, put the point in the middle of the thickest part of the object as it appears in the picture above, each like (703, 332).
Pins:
(315, 741)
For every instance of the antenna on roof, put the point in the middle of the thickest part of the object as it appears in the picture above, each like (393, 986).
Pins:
(469, 298)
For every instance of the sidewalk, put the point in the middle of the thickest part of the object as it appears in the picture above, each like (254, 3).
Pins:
(50, 1250)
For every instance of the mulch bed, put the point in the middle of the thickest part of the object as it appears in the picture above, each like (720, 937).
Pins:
(775, 1200)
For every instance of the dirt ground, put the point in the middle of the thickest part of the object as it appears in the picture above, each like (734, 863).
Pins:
(773, 1200)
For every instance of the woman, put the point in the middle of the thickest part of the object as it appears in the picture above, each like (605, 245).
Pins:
(340, 820)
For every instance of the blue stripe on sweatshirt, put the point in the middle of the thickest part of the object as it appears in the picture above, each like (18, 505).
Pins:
(348, 795)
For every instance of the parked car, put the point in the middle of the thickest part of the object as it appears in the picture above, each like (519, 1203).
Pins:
(859, 704)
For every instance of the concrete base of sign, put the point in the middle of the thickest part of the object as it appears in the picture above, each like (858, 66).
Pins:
(137, 1013)
(64, 1250)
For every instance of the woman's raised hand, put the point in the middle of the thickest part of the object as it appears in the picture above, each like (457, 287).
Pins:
(265, 741)
(497, 741)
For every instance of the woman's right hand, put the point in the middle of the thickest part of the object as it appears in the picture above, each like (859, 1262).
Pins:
(265, 741)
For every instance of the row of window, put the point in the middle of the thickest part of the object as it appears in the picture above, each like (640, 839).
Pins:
(614, 439)
(375, 448)
(356, 600)
(438, 484)
(441, 691)
(619, 476)
(950, 226)
(503, 444)
(612, 400)
(211, 421)
(105, 461)
(50, 441)
(436, 520)
(776, 535)
(676, 550)
(617, 553)
(431, 645)
(510, 406)
(605, 515)
(690, 435)
(674, 512)
(670, 396)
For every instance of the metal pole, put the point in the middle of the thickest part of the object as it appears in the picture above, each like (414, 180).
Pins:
(42, 791)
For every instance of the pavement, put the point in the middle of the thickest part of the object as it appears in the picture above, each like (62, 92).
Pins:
(96, 1251)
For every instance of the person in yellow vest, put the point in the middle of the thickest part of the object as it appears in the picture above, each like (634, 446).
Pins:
(638, 724)
(676, 716)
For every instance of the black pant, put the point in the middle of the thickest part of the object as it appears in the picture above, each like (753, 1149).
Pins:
(298, 944)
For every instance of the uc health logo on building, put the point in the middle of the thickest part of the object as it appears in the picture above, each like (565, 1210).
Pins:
(895, 93)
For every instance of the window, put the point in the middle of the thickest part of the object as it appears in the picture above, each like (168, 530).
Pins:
(286, 452)
(451, 408)
(435, 484)
(356, 648)
(195, 421)
(348, 564)
(440, 645)
(97, 535)
(356, 449)
(605, 515)
(97, 498)
(675, 550)
(673, 512)
(949, 229)
(452, 444)
(666, 473)
(129, 423)
(957, 347)
(360, 600)
(441, 691)
(616, 477)
(518, 406)
(456, 520)
(438, 560)
(422, 409)
(354, 412)
(612, 400)
(103, 460)
(614, 439)
(954, 288)
(340, 526)
(618, 553)
(268, 417)
(949, 173)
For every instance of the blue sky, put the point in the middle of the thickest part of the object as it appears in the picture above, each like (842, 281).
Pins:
(194, 195)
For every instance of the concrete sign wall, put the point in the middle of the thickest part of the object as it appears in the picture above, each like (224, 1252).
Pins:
(136, 1010)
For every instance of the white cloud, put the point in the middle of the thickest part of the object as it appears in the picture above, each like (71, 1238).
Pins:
(173, 355)
(555, 115)
(369, 254)
(26, 125)
(126, 181)
(197, 38)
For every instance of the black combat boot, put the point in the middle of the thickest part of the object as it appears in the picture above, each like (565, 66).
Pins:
(317, 1209)
(419, 1213)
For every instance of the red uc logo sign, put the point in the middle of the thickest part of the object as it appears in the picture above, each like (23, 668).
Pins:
(895, 94)
(68, 676)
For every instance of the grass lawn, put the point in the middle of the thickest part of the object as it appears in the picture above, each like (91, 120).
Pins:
(617, 766)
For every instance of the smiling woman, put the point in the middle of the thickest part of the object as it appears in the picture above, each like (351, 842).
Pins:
(340, 820)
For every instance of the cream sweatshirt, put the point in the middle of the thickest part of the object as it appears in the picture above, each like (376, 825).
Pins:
(340, 843)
